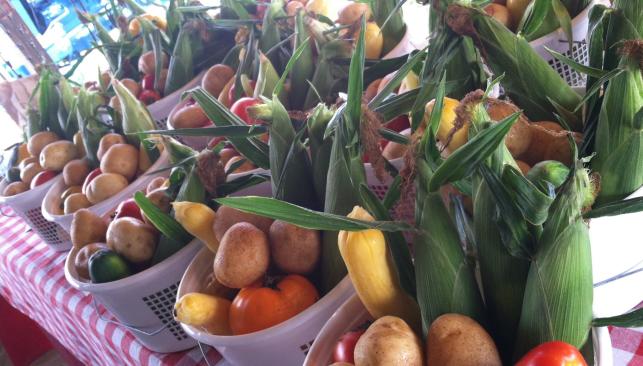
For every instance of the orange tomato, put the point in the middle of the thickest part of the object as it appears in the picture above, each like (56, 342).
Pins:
(259, 307)
(134, 27)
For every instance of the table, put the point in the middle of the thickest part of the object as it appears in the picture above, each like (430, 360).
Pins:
(33, 281)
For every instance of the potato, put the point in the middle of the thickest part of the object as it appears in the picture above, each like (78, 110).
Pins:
(38, 141)
(80, 144)
(216, 78)
(227, 216)
(69, 191)
(160, 199)
(27, 161)
(108, 141)
(134, 240)
(500, 13)
(14, 188)
(294, 249)
(81, 261)
(393, 150)
(30, 171)
(115, 103)
(104, 186)
(243, 256)
(147, 63)
(87, 228)
(121, 159)
(245, 167)
(519, 137)
(389, 341)
(457, 340)
(57, 154)
(352, 12)
(524, 167)
(548, 142)
(371, 90)
(190, 116)
(75, 202)
(224, 96)
(75, 172)
(155, 183)
(132, 86)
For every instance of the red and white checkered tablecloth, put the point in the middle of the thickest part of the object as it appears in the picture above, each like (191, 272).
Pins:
(33, 281)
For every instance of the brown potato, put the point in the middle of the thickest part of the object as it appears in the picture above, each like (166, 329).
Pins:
(69, 191)
(226, 154)
(75, 202)
(87, 228)
(108, 141)
(81, 261)
(227, 216)
(224, 95)
(160, 199)
(191, 116)
(389, 341)
(80, 145)
(162, 81)
(216, 78)
(243, 256)
(393, 150)
(75, 171)
(147, 63)
(385, 80)
(500, 13)
(457, 340)
(30, 171)
(294, 249)
(524, 167)
(14, 188)
(371, 90)
(549, 142)
(519, 137)
(352, 12)
(132, 86)
(57, 154)
(121, 159)
(27, 161)
(245, 167)
(104, 186)
(38, 141)
(115, 103)
(133, 239)
(155, 183)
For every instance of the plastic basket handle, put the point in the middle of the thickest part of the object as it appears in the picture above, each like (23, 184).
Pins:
(130, 327)
(205, 357)
(4, 214)
(627, 273)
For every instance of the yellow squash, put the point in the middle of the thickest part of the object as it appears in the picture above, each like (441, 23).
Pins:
(371, 269)
(204, 311)
(198, 220)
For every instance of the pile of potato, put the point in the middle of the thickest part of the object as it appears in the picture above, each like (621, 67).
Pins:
(42, 158)
(452, 340)
(260, 275)
(120, 164)
(114, 248)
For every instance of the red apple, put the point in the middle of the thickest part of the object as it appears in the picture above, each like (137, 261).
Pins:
(240, 108)
(42, 178)
(128, 208)
(148, 82)
(88, 179)
(398, 124)
(149, 96)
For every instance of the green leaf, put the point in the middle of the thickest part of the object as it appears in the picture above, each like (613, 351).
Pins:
(306, 218)
(353, 110)
(393, 136)
(397, 79)
(241, 183)
(628, 206)
(587, 70)
(633, 319)
(564, 20)
(465, 159)
(227, 131)
(304, 47)
(533, 203)
(165, 223)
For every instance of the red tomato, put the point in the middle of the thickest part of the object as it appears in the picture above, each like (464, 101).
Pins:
(261, 9)
(240, 108)
(128, 208)
(42, 178)
(93, 174)
(149, 96)
(256, 308)
(398, 124)
(554, 353)
(148, 82)
(345, 347)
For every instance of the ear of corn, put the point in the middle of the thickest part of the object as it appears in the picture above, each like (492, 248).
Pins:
(529, 80)
(327, 71)
(181, 68)
(136, 117)
(91, 129)
(373, 273)
(198, 220)
(320, 147)
(619, 134)
(303, 69)
(558, 294)
(388, 15)
(633, 10)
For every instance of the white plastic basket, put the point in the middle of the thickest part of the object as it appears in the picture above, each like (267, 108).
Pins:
(161, 109)
(557, 41)
(352, 314)
(144, 302)
(27, 206)
(198, 143)
(52, 201)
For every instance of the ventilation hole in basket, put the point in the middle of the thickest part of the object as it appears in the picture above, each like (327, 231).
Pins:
(161, 124)
(306, 347)
(579, 53)
(50, 232)
(162, 304)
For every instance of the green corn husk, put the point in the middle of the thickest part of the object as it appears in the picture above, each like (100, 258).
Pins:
(303, 69)
(91, 128)
(136, 117)
(529, 80)
(545, 16)
(559, 290)
(388, 16)
(619, 135)
(320, 146)
(67, 109)
(271, 33)
(443, 274)
(633, 10)
(327, 72)
(181, 67)
(48, 101)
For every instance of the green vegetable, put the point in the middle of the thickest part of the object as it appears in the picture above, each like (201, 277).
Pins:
(107, 266)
